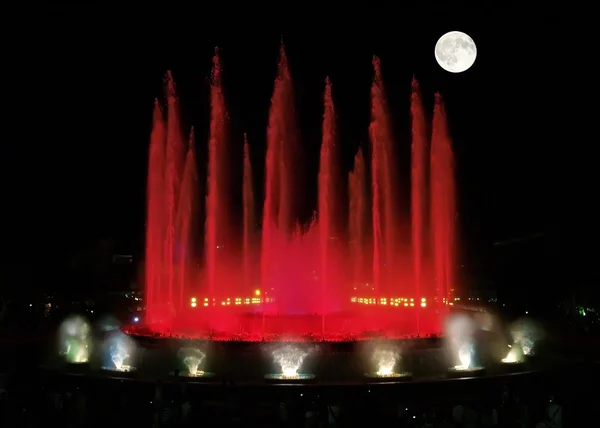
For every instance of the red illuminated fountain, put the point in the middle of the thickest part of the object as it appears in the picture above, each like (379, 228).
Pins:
(349, 273)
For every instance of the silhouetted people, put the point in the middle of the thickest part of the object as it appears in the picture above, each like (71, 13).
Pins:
(333, 415)
(311, 417)
(553, 416)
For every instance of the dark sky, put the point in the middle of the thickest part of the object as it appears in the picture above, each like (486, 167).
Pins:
(82, 81)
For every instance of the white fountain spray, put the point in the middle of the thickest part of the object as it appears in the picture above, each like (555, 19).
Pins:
(465, 356)
(118, 354)
(385, 360)
(460, 333)
(515, 355)
(120, 348)
(192, 359)
(524, 333)
(74, 339)
(289, 358)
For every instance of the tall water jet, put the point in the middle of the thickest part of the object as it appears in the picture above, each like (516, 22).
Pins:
(155, 219)
(175, 153)
(443, 206)
(270, 207)
(380, 131)
(301, 267)
(284, 133)
(328, 185)
(418, 188)
(186, 215)
(216, 207)
(357, 185)
(283, 173)
(376, 182)
(249, 213)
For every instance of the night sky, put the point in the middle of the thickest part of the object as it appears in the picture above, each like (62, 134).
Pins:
(82, 84)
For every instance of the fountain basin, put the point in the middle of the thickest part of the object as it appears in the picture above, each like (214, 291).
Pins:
(455, 372)
(391, 377)
(125, 371)
(283, 378)
(200, 374)
(512, 366)
(78, 368)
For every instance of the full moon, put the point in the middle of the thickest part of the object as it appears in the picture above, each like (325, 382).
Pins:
(455, 52)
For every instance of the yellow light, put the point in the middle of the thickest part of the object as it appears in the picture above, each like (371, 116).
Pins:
(193, 300)
(193, 304)
(423, 299)
(257, 292)
(423, 304)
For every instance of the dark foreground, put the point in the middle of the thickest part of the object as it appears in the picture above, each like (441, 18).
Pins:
(37, 398)
(238, 396)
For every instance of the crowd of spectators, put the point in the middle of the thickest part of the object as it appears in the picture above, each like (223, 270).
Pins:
(176, 404)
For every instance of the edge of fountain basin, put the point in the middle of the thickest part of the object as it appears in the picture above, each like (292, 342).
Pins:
(155, 340)
(314, 383)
